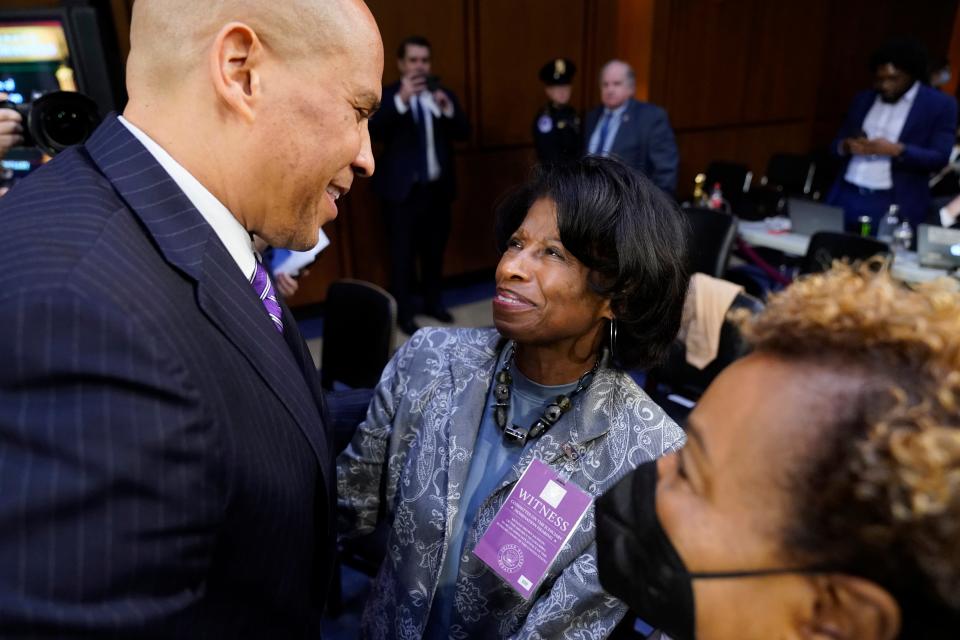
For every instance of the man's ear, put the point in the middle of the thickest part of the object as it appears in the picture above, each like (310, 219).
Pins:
(851, 608)
(235, 68)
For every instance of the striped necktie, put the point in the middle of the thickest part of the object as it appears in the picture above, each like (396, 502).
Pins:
(264, 289)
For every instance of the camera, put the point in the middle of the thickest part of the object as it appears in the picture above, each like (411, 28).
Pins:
(56, 120)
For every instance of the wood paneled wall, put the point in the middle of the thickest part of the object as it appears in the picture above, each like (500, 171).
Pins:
(740, 79)
(489, 53)
(743, 79)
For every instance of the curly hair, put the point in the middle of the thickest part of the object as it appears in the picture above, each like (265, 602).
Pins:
(879, 496)
(629, 233)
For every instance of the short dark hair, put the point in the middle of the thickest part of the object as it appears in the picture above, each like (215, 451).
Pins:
(905, 54)
(630, 234)
(417, 41)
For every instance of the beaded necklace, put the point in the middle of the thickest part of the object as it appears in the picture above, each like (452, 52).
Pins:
(515, 434)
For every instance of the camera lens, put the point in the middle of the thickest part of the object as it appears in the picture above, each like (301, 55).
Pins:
(61, 119)
(65, 127)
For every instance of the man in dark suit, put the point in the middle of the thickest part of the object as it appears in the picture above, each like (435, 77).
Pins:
(893, 138)
(165, 465)
(638, 133)
(417, 124)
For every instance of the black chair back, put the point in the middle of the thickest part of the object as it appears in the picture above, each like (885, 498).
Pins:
(711, 239)
(734, 179)
(677, 377)
(358, 333)
(826, 168)
(790, 173)
(827, 246)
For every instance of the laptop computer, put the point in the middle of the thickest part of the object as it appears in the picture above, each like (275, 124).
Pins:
(938, 247)
(807, 217)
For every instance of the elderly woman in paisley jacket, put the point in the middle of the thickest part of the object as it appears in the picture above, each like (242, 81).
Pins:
(591, 281)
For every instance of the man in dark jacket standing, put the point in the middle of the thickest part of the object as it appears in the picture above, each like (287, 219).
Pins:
(638, 133)
(893, 138)
(417, 124)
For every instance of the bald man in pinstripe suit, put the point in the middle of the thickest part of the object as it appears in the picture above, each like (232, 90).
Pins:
(165, 468)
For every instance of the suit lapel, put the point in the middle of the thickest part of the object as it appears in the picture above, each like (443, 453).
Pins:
(189, 244)
(627, 124)
(914, 116)
(230, 303)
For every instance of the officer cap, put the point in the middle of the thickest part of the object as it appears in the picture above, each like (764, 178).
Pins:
(558, 71)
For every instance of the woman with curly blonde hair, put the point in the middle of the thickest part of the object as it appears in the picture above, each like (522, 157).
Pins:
(818, 495)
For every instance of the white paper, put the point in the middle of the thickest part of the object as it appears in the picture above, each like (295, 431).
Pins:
(297, 260)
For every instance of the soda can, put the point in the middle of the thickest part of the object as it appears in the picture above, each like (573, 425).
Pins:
(865, 224)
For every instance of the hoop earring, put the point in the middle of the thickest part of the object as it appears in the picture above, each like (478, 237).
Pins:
(613, 338)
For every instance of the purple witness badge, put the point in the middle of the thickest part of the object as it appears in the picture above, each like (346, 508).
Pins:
(527, 534)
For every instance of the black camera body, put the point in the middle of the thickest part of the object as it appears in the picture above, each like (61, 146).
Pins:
(56, 120)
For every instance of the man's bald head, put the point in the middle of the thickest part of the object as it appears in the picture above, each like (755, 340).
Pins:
(265, 103)
(169, 38)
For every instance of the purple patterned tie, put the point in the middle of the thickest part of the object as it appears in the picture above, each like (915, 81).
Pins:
(264, 288)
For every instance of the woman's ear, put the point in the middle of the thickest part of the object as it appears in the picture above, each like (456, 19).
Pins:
(606, 311)
(851, 608)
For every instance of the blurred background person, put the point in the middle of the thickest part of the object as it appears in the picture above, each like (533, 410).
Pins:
(417, 123)
(895, 135)
(638, 133)
(818, 493)
(11, 128)
(556, 127)
(591, 281)
(11, 134)
(940, 74)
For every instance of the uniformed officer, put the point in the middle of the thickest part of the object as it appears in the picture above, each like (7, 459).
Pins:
(556, 129)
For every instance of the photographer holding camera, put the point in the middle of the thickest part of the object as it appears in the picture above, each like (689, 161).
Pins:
(11, 129)
(417, 122)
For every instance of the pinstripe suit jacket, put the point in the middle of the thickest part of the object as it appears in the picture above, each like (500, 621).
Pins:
(164, 468)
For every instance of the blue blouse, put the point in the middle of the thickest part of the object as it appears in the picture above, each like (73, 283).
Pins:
(492, 458)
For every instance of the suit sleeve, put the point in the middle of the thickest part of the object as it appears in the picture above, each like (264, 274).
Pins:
(361, 484)
(345, 410)
(109, 504)
(852, 122)
(589, 123)
(457, 127)
(385, 121)
(935, 153)
(662, 153)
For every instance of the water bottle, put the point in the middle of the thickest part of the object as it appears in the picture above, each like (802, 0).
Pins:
(888, 224)
(716, 198)
(902, 237)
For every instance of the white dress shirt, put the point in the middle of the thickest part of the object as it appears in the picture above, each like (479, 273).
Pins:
(423, 105)
(884, 120)
(234, 237)
(602, 147)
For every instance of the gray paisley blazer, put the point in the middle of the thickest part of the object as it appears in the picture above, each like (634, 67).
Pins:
(420, 428)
